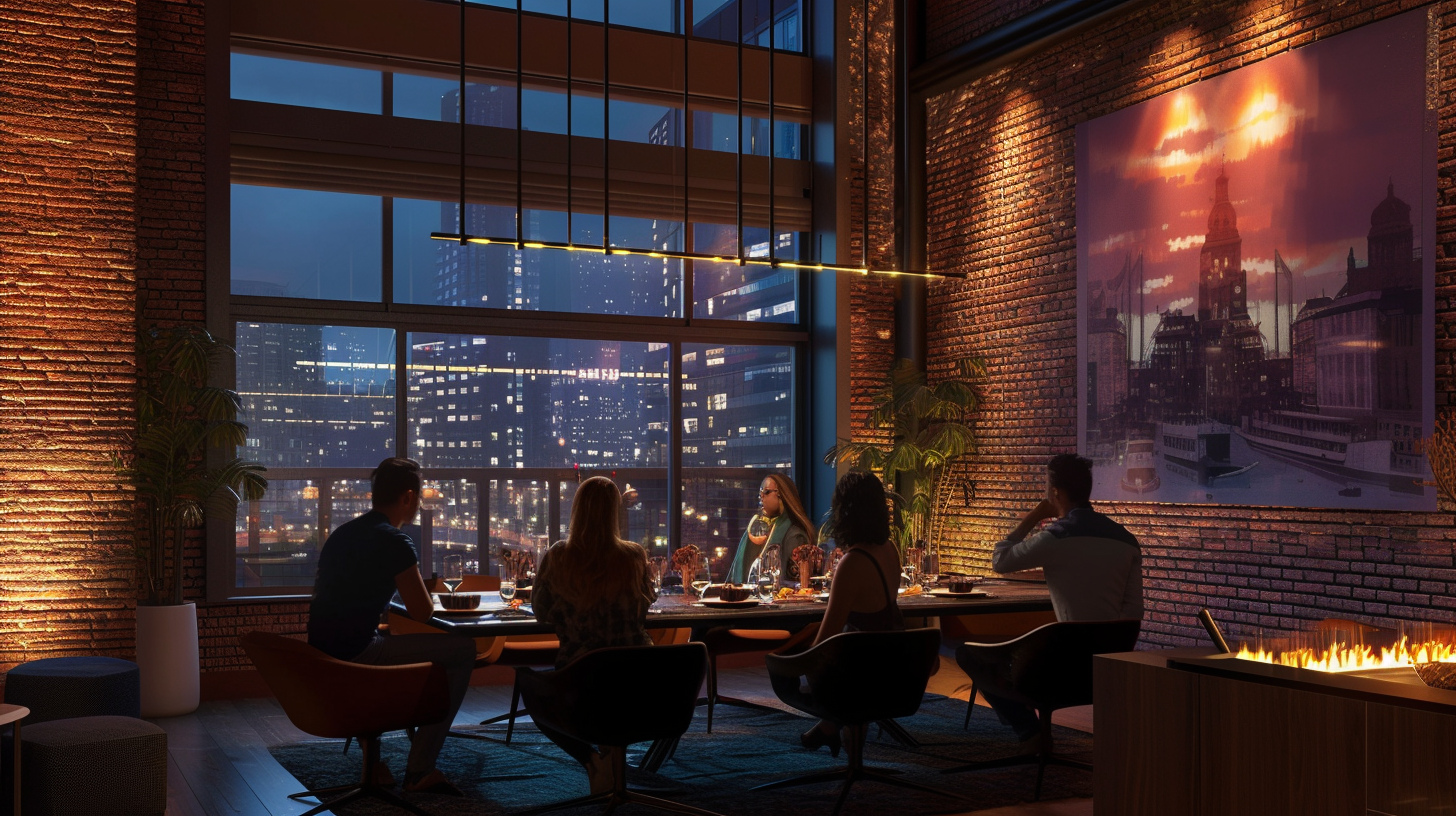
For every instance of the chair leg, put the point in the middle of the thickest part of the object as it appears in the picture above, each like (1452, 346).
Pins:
(854, 771)
(970, 706)
(712, 687)
(515, 710)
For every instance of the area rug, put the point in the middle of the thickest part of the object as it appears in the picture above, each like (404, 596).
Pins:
(715, 771)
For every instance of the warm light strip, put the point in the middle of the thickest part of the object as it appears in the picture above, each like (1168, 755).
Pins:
(685, 256)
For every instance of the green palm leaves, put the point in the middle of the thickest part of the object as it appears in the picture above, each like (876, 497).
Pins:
(180, 418)
(929, 429)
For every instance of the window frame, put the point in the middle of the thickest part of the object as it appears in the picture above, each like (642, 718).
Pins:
(223, 310)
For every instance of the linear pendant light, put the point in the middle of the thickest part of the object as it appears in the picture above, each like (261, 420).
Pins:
(772, 260)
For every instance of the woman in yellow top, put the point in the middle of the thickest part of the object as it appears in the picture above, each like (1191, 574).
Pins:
(778, 502)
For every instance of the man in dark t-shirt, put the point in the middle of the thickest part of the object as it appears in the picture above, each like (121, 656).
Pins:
(362, 565)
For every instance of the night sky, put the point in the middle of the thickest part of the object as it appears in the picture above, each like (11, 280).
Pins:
(1309, 140)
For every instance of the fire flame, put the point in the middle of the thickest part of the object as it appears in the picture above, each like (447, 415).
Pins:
(1341, 657)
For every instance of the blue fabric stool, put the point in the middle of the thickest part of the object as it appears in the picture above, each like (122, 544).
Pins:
(62, 687)
(84, 766)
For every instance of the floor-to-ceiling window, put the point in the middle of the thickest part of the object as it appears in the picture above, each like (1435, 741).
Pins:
(514, 368)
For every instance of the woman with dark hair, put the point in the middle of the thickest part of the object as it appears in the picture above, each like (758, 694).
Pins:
(594, 589)
(862, 596)
(778, 501)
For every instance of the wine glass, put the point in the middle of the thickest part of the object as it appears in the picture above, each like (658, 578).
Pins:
(702, 578)
(655, 567)
(454, 571)
(763, 580)
(508, 580)
(758, 530)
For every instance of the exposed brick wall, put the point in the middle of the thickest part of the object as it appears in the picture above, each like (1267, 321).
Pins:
(67, 284)
(951, 23)
(1002, 207)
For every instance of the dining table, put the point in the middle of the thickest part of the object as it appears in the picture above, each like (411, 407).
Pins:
(495, 618)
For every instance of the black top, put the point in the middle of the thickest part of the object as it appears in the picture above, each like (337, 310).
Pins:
(886, 619)
(355, 581)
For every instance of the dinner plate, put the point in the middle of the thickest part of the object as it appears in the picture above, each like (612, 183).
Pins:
(713, 603)
(793, 599)
(945, 593)
(483, 609)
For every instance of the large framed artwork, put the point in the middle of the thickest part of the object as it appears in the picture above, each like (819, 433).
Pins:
(1256, 258)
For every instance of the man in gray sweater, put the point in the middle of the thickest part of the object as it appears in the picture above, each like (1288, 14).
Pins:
(1093, 565)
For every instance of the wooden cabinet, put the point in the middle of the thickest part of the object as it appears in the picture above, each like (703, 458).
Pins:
(1174, 739)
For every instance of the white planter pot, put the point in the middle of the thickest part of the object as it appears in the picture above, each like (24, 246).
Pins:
(166, 652)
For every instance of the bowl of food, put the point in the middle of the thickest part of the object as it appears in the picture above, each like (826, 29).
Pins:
(450, 600)
(734, 593)
(960, 584)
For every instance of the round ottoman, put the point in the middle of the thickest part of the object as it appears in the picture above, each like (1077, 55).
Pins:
(93, 765)
(61, 687)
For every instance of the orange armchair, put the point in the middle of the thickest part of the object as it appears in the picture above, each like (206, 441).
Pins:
(337, 699)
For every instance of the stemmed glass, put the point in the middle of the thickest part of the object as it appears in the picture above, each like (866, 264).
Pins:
(768, 573)
(454, 571)
(656, 566)
(702, 578)
(758, 530)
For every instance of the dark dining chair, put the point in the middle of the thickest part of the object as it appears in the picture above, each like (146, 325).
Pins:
(336, 699)
(616, 697)
(724, 640)
(1048, 668)
(856, 679)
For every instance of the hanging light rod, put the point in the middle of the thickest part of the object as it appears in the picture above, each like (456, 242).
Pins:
(684, 256)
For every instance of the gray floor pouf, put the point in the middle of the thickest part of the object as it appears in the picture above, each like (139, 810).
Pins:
(92, 765)
(59, 687)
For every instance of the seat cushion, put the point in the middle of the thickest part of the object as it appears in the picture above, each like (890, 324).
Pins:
(62, 687)
(89, 765)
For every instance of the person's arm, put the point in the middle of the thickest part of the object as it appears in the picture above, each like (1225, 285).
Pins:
(1043, 511)
(852, 580)
(541, 597)
(411, 587)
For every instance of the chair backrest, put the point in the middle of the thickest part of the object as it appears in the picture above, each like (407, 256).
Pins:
(619, 695)
(334, 698)
(861, 677)
(1052, 665)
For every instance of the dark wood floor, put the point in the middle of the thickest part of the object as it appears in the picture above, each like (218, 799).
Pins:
(219, 763)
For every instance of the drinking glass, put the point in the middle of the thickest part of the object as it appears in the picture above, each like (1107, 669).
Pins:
(656, 566)
(758, 530)
(508, 581)
(764, 582)
(702, 578)
(454, 571)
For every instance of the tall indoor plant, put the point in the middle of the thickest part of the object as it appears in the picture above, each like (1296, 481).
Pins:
(181, 419)
(930, 428)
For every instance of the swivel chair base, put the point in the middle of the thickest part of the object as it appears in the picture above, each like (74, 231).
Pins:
(855, 771)
(619, 795)
(364, 789)
(1041, 758)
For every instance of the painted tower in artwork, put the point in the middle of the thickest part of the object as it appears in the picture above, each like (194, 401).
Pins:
(1222, 288)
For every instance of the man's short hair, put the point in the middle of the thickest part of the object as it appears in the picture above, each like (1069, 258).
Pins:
(1072, 474)
(392, 479)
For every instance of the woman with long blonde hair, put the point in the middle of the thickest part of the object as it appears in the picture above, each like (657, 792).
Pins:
(594, 589)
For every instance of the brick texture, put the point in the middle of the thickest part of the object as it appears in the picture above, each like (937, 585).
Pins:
(1002, 208)
(951, 23)
(67, 283)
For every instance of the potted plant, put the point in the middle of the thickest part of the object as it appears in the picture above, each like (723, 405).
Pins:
(180, 419)
(929, 429)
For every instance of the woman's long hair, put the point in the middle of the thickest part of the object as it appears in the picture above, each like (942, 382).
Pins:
(594, 564)
(789, 498)
(859, 512)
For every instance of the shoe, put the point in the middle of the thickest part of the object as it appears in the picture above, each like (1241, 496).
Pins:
(432, 782)
(815, 738)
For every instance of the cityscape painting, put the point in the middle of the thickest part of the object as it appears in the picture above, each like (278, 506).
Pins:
(1255, 258)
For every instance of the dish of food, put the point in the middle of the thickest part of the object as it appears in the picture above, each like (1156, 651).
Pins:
(483, 609)
(946, 593)
(716, 603)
